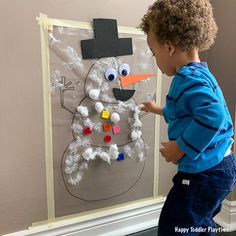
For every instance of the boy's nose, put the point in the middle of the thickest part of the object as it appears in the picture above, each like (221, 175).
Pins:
(132, 79)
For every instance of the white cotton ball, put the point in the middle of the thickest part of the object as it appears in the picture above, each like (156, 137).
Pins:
(88, 154)
(113, 151)
(140, 106)
(79, 177)
(83, 111)
(76, 180)
(128, 150)
(115, 117)
(73, 147)
(105, 157)
(121, 107)
(137, 124)
(139, 145)
(137, 110)
(68, 170)
(69, 161)
(94, 93)
(83, 166)
(71, 169)
(141, 156)
(99, 107)
(136, 134)
(72, 181)
(88, 123)
(77, 128)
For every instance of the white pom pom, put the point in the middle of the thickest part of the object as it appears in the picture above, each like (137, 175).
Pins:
(88, 154)
(115, 117)
(128, 150)
(72, 181)
(113, 151)
(141, 106)
(105, 157)
(83, 166)
(135, 134)
(76, 180)
(141, 156)
(83, 111)
(99, 107)
(137, 124)
(94, 93)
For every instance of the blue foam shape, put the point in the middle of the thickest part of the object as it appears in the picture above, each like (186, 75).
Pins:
(120, 157)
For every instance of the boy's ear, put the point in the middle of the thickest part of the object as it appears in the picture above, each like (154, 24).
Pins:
(170, 47)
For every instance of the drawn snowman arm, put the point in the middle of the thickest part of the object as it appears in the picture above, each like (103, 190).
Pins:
(64, 88)
(143, 114)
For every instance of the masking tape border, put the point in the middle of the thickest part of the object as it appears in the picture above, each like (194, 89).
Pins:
(50, 22)
(44, 27)
(157, 135)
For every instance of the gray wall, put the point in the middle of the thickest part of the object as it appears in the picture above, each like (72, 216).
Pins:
(22, 169)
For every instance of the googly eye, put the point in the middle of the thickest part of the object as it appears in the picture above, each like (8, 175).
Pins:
(110, 74)
(124, 69)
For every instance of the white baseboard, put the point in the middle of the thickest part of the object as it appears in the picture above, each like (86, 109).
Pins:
(119, 221)
(227, 217)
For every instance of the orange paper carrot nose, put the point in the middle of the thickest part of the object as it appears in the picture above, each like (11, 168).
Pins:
(131, 79)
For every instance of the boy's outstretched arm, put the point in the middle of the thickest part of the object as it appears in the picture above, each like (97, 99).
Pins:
(150, 106)
(170, 150)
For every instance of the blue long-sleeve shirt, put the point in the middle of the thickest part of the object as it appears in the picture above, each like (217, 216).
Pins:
(198, 118)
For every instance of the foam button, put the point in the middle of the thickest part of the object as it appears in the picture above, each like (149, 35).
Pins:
(87, 131)
(105, 114)
(120, 157)
(106, 127)
(116, 129)
(107, 138)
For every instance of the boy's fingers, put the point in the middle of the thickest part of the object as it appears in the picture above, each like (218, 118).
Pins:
(162, 150)
(164, 143)
(145, 103)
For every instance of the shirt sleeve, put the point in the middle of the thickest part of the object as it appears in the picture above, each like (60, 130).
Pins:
(208, 114)
(164, 112)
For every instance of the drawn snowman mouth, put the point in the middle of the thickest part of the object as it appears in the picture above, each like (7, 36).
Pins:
(123, 94)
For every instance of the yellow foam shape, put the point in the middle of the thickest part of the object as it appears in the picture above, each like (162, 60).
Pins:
(105, 114)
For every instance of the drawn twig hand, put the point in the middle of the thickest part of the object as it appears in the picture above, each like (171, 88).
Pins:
(65, 86)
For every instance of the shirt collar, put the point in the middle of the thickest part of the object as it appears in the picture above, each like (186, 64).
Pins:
(198, 64)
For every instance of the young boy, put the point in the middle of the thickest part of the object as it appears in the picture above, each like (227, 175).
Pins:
(200, 129)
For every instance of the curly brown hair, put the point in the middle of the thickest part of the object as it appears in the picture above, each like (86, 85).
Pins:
(187, 24)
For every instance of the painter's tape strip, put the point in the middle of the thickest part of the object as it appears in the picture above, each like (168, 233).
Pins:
(86, 25)
(44, 26)
(157, 135)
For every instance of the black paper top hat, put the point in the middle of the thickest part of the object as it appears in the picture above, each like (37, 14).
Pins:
(106, 42)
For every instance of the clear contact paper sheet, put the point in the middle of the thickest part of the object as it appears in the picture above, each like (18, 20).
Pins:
(102, 143)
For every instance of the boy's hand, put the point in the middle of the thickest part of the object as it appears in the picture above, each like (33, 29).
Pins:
(171, 151)
(150, 106)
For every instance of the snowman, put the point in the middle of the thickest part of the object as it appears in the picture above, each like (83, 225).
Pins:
(106, 125)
